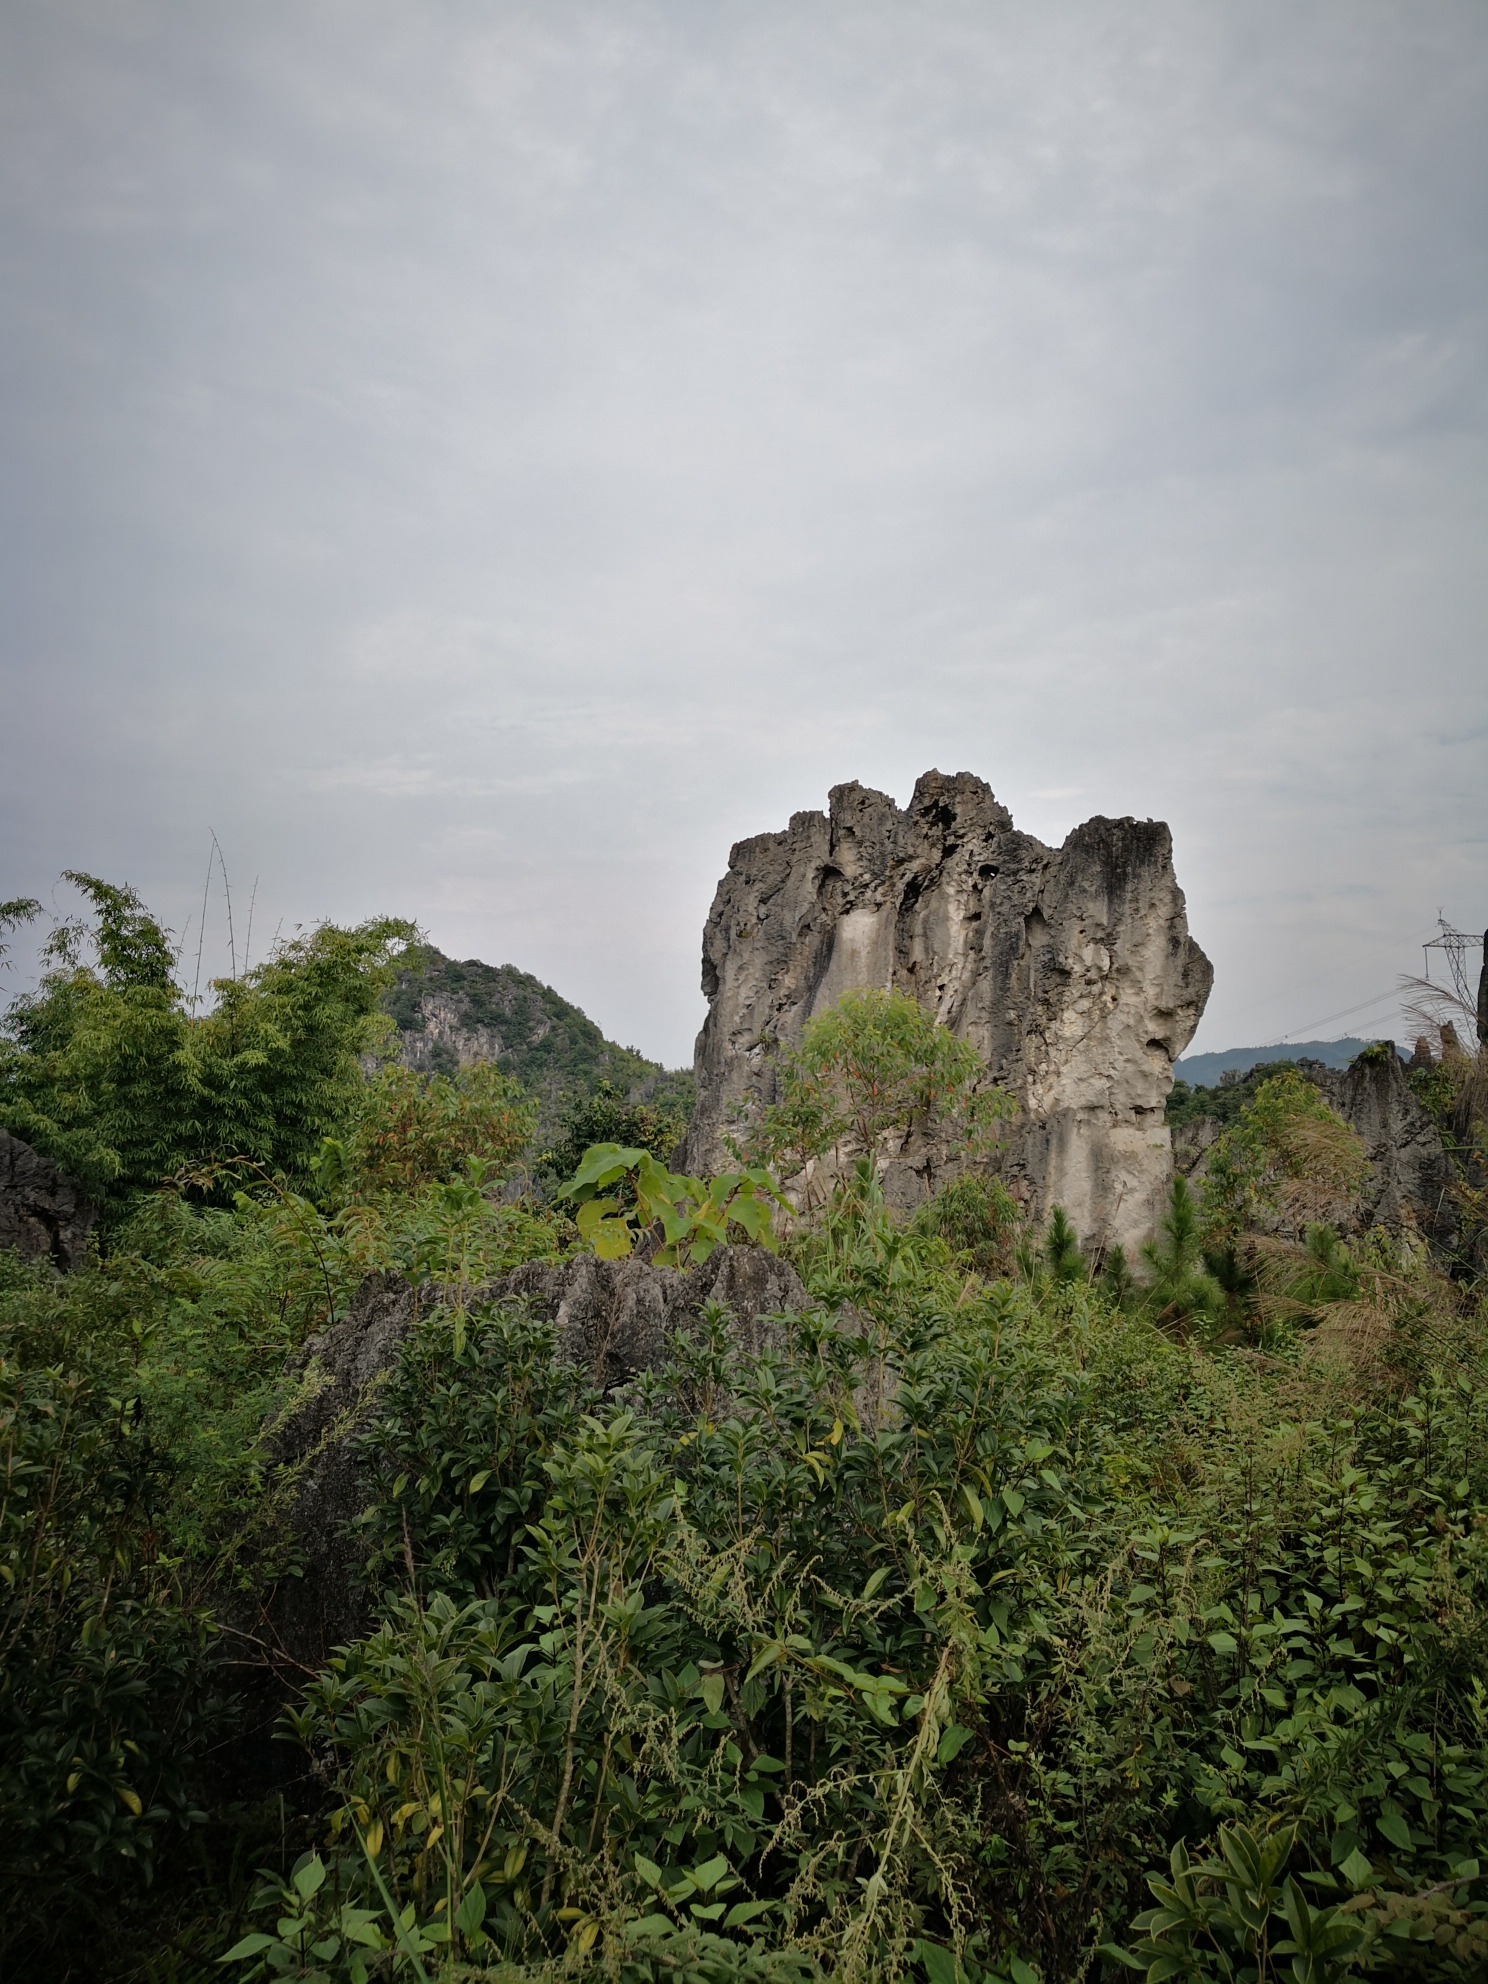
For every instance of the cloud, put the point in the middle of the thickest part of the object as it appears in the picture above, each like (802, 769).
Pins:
(485, 463)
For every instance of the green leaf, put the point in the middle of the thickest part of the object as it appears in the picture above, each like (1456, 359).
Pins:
(1012, 1501)
(954, 1740)
(477, 1481)
(602, 1164)
(766, 1657)
(472, 1910)
(745, 1911)
(940, 1966)
(711, 1689)
(1356, 1870)
(651, 1925)
(253, 1945)
(648, 1870)
(310, 1878)
(1395, 1829)
(710, 1873)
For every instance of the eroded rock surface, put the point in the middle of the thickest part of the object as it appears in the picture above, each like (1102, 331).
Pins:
(44, 1215)
(1069, 969)
(614, 1317)
(1410, 1174)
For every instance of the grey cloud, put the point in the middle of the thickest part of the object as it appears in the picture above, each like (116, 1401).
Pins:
(485, 461)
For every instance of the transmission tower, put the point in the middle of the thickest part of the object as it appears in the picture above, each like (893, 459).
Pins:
(1454, 946)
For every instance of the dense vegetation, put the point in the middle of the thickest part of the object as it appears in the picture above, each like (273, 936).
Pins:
(999, 1582)
(548, 1045)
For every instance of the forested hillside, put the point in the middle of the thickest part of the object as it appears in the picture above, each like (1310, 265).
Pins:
(990, 1608)
(450, 1013)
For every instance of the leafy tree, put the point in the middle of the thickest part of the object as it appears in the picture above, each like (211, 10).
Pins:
(1288, 1159)
(106, 1069)
(606, 1116)
(19, 909)
(94, 1070)
(873, 1066)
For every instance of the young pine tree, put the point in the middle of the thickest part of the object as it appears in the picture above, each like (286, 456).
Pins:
(1181, 1287)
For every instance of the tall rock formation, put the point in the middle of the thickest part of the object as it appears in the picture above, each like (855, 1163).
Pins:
(1070, 970)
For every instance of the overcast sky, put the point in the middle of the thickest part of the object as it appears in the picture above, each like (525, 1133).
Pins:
(481, 460)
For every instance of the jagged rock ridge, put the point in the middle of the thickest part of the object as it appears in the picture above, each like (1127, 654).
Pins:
(1070, 970)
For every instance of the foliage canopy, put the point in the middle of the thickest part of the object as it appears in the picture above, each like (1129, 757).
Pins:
(874, 1066)
(107, 1069)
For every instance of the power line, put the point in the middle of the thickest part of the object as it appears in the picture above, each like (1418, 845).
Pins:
(1363, 1006)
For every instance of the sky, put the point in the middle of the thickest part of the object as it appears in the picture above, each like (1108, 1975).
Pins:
(479, 461)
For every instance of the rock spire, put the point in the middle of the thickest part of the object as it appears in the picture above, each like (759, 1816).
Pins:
(1069, 969)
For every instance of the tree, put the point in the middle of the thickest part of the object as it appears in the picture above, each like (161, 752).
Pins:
(1063, 1260)
(107, 1070)
(1289, 1158)
(606, 1117)
(1181, 1287)
(874, 1066)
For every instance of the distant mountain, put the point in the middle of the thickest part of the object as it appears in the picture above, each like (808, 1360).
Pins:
(449, 1014)
(1204, 1070)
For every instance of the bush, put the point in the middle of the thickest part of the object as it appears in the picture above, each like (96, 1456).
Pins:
(414, 1130)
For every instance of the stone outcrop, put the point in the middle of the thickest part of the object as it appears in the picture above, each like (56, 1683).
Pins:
(334, 1383)
(1069, 969)
(1410, 1174)
(278, 1632)
(43, 1214)
(614, 1317)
